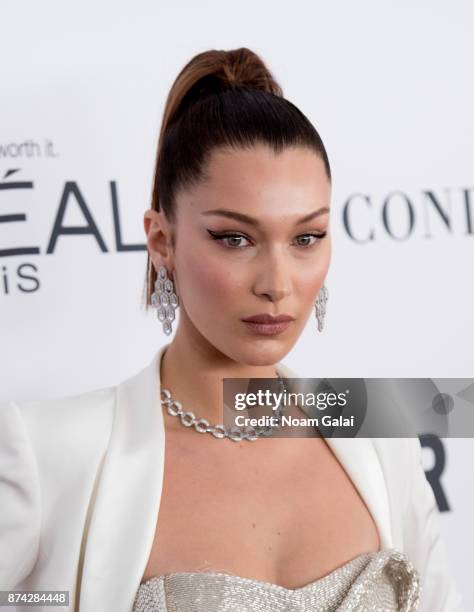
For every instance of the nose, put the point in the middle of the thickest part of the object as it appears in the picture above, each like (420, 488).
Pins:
(273, 281)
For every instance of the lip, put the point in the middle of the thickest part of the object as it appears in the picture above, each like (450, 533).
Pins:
(268, 325)
(268, 319)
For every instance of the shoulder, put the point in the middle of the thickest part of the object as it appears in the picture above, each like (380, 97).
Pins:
(56, 421)
(59, 434)
(74, 426)
(400, 459)
(400, 451)
(81, 405)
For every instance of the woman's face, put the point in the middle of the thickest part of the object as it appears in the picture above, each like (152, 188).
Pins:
(251, 239)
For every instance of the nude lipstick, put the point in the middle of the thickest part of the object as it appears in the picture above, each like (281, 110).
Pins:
(267, 325)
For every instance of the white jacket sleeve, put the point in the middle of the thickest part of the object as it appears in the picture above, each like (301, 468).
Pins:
(424, 544)
(20, 515)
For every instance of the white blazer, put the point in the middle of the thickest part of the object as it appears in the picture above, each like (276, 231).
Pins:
(80, 487)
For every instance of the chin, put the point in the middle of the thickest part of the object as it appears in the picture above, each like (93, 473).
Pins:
(262, 352)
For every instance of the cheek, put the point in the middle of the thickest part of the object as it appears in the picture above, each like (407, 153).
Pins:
(308, 289)
(311, 277)
(211, 280)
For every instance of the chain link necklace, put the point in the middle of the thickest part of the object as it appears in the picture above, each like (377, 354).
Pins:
(235, 433)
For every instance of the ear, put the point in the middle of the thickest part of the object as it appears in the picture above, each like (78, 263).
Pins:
(158, 233)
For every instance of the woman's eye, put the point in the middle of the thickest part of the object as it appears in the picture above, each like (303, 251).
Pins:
(239, 241)
(306, 240)
(233, 241)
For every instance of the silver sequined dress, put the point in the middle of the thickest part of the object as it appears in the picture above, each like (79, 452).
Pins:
(382, 581)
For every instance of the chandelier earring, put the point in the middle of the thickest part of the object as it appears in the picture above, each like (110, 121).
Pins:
(164, 299)
(320, 306)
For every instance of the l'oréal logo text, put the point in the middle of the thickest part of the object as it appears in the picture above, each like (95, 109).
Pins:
(23, 276)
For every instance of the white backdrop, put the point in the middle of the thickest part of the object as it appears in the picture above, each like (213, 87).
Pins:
(388, 86)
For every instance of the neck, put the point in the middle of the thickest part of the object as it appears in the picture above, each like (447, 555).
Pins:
(193, 370)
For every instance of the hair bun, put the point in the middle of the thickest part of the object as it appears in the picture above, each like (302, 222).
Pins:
(214, 71)
(244, 68)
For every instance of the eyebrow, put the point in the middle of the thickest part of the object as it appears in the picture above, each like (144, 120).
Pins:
(232, 214)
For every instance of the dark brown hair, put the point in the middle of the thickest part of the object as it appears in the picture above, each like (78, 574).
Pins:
(221, 99)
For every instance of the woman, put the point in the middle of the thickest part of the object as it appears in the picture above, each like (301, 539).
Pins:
(98, 505)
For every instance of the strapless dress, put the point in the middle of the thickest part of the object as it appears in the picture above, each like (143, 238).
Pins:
(382, 581)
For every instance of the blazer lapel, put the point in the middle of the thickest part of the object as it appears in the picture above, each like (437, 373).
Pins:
(361, 462)
(125, 511)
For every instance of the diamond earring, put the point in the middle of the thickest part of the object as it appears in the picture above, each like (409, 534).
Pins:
(164, 299)
(320, 306)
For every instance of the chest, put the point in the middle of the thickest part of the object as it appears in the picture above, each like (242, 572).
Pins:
(284, 511)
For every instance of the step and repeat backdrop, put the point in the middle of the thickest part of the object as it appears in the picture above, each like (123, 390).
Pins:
(389, 88)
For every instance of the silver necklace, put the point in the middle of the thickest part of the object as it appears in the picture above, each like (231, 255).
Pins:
(234, 433)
